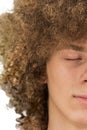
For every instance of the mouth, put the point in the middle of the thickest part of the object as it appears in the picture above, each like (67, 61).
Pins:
(81, 98)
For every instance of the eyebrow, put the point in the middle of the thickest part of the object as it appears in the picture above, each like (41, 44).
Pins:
(76, 47)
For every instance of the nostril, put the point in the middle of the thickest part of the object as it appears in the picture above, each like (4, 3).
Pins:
(85, 80)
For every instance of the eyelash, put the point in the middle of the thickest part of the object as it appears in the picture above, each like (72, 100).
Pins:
(74, 59)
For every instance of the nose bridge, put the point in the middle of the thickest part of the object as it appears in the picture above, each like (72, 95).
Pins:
(83, 67)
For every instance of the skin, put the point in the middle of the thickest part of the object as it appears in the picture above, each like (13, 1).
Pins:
(67, 78)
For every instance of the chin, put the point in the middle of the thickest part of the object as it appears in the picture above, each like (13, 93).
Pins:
(80, 117)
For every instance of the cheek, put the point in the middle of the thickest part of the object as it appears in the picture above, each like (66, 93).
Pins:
(58, 78)
(61, 78)
(63, 75)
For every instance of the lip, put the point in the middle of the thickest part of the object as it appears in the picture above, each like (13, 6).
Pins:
(81, 98)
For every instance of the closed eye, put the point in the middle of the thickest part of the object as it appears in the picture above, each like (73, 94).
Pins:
(72, 59)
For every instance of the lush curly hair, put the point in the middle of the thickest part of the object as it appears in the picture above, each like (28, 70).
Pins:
(28, 37)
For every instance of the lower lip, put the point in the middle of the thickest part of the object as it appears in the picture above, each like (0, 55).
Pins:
(82, 100)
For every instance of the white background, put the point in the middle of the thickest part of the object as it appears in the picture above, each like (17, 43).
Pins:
(6, 5)
(7, 116)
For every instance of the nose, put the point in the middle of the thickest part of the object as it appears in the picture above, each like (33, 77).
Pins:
(83, 72)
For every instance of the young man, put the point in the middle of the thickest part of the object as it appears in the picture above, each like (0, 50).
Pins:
(45, 60)
(67, 84)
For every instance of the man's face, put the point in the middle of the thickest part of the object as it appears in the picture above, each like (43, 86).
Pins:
(67, 83)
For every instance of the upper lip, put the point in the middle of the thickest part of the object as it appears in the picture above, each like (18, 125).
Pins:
(80, 96)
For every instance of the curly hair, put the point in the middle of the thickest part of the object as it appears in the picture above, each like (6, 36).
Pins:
(28, 37)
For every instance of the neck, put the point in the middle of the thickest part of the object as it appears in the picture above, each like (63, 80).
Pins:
(57, 121)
